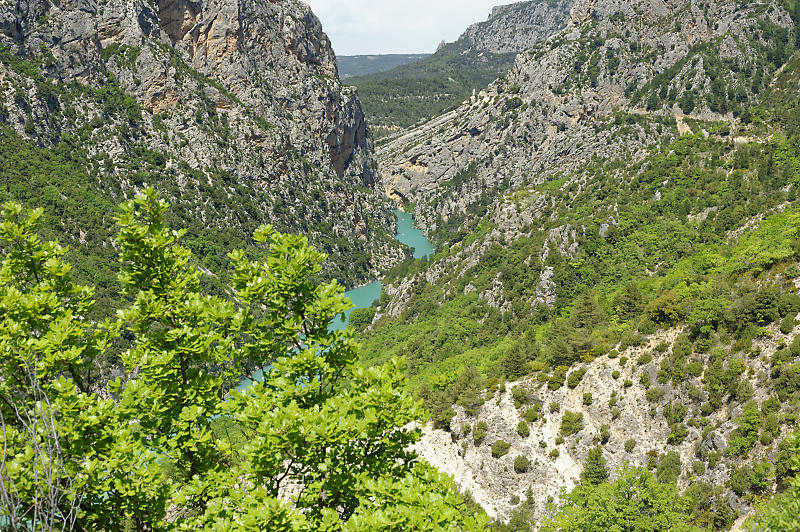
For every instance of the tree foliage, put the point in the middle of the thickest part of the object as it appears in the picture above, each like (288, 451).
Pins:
(325, 443)
(636, 501)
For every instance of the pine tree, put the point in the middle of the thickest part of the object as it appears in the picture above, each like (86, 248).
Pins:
(595, 471)
(515, 363)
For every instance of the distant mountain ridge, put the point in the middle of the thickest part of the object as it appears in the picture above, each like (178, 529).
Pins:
(403, 96)
(362, 65)
(512, 28)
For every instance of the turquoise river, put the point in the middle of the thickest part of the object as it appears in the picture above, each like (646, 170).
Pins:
(363, 296)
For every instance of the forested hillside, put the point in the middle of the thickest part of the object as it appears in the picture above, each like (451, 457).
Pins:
(361, 65)
(403, 96)
(619, 237)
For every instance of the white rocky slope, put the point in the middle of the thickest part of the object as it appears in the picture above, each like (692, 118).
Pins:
(498, 488)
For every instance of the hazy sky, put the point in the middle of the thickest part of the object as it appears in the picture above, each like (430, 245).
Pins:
(358, 27)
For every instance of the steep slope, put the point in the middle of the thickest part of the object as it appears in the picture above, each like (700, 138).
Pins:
(232, 109)
(618, 230)
(362, 65)
(401, 97)
(543, 118)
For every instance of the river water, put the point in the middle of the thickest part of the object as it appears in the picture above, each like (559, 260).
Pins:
(363, 296)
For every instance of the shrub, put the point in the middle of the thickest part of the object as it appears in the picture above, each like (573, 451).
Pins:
(644, 358)
(666, 310)
(615, 374)
(669, 469)
(713, 459)
(521, 464)
(644, 379)
(587, 398)
(695, 368)
(555, 407)
(740, 480)
(787, 324)
(500, 448)
(647, 326)
(520, 396)
(442, 413)
(761, 476)
(786, 465)
(479, 432)
(575, 377)
(789, 303)
(746, 434)
(532, 414)
(605, 434)
(677, 433)
(630, 444)
(523, 429)
(571, 423)
(699, 468)
(615, 412)
(361, 318)
(556, 380)
(555, 453)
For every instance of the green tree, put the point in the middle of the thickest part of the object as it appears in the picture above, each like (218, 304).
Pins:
(68, 455)
(782, 513)
(316, 420)
(515, 362)
(669, 468)
(667, 309)
(595, 470)
(571, 423)
(521, 464)
(635, 501)
(744, 437)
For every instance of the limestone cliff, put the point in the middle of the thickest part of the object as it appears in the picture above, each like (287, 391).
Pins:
(555, 109)
(513, 28)
(230, 93)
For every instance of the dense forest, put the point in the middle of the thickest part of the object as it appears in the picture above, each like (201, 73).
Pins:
(401, 97)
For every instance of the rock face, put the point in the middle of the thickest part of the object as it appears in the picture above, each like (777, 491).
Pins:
(556, 459)
(514, 28)
(555, 109)
(408, 94)
(244, 89)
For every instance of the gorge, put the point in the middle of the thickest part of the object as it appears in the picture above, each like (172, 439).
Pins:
(571, 239)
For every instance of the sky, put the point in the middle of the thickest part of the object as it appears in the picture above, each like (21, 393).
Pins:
(362, 27)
